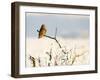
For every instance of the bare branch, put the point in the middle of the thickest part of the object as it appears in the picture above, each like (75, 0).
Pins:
(56, 32)
(49, 54)
(54, 39)
(33, 60)
(49, 37)
(77, 56)
(39, 61)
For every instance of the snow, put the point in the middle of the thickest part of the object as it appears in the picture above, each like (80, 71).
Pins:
(42, 48)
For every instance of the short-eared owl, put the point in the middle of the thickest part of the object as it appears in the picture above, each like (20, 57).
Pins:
(42, 31)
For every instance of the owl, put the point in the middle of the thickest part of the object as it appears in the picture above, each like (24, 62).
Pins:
(42, 31)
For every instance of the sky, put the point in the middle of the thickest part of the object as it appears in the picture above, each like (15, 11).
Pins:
(68, 25)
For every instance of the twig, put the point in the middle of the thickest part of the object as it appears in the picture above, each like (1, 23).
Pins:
(50, 55)
(33, 60)
(39, 61)
(55, 60)
(56, 32)
(77, 56)
(54, 39)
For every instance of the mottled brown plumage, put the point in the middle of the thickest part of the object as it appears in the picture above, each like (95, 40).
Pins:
(42, 31)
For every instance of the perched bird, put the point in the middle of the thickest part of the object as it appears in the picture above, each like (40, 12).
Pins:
(42, 31)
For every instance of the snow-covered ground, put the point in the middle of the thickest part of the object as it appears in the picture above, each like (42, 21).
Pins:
(46, 52)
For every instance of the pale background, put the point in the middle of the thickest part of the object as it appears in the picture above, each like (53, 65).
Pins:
(68, 25)
(5, 40)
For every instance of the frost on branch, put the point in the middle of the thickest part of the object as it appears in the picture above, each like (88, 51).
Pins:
(60, 52)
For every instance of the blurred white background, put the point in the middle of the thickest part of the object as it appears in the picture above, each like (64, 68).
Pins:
(5, 40)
